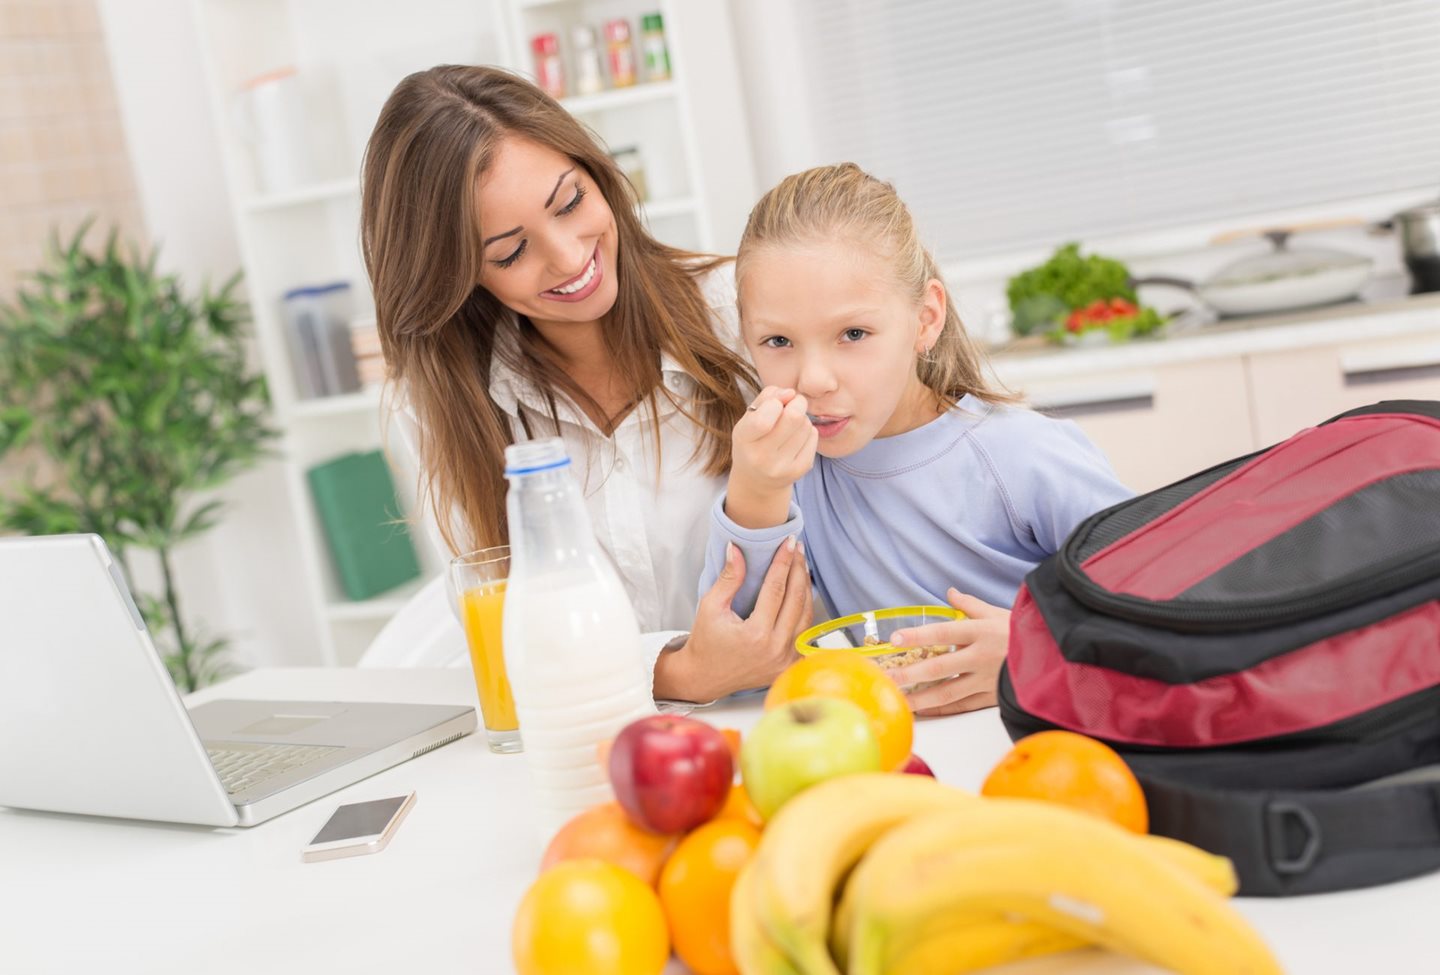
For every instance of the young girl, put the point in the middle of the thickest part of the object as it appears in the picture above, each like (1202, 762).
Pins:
(926, 475)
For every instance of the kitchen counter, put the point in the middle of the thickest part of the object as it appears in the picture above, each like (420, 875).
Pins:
(1384, 310)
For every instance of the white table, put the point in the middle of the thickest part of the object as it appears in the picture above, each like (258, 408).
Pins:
(79, 894)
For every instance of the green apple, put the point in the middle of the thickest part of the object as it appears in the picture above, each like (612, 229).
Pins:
(804, 742)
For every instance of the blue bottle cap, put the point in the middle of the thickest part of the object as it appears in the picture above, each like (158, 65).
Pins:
(534, 456)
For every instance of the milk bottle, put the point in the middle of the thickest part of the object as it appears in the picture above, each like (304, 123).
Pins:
(572, 646)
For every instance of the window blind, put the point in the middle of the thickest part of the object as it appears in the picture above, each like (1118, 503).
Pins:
(1023, 123)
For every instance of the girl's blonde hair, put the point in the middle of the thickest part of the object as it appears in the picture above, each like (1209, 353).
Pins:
(436, 136)
(845, 202)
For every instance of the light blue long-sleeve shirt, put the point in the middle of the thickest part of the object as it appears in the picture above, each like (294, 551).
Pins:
(974, 499)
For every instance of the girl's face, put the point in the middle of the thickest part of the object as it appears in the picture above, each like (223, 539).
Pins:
(550, 237)
(829, 321)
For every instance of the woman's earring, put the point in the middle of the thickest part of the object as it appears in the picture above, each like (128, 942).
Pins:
(926, 356)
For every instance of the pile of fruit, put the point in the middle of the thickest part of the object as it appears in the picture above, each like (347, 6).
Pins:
(823, 859)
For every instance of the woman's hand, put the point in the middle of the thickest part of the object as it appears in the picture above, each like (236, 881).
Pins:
(772, 446)
(725, 653)
(971, 672)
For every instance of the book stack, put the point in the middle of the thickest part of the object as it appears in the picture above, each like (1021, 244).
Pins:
(319, 336)
(369, 359)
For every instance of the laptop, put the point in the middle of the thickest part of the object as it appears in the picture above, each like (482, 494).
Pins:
(90, 721)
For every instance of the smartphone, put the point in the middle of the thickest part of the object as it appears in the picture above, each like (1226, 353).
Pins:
(357, 828)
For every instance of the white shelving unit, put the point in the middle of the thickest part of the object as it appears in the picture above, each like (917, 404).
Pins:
(690, 132)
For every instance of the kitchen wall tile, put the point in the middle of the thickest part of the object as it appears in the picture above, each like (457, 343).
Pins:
(108, 134)
(12, 98)
(46, 136)
(115, 179)
(99, 97)
(39, 100)
(23, 187)
(10, 48)
(17, 142)
(79, 138)
(62, 148)
(49, 20)
(81, 19)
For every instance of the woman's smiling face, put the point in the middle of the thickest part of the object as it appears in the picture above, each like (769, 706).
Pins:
(550, 238)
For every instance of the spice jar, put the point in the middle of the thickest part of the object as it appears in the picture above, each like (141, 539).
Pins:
(627, 158)
(621, 53)
(549, 69)
(654, 55)
(589, 75)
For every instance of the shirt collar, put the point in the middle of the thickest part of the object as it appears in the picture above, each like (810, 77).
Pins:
(510, 390)
(885, 456)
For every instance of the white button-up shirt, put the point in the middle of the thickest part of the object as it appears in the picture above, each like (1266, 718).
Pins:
(651, 521)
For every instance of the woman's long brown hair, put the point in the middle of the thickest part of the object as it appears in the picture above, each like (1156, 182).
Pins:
(436, 135)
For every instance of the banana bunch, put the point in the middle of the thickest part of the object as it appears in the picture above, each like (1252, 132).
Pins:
(942, 882)
(808, 848)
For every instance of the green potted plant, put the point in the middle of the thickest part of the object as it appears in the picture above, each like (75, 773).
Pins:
(135, 399)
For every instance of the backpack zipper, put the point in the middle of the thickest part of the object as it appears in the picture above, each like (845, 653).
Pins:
(1200, 617)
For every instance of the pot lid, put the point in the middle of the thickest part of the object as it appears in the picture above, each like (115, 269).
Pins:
(1283, 263)
(1421, 210)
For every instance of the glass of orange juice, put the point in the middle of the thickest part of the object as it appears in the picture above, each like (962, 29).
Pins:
(477, 594)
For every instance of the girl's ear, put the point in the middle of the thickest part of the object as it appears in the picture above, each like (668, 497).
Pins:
(932, 316)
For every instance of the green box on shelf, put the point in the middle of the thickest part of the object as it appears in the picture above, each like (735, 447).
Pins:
(371, 547)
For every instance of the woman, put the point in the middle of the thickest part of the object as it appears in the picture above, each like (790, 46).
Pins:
(518, 295)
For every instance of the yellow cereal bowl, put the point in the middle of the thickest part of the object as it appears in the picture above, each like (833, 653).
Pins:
(869, 633)
(851, 632)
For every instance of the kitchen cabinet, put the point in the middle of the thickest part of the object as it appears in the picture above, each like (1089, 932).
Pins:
(1298, 388)
(1164, 409)
(1156, 425)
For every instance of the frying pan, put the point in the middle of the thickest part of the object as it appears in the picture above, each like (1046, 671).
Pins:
(1282, 279)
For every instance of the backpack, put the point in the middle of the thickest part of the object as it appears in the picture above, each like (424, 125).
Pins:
(1261, 643)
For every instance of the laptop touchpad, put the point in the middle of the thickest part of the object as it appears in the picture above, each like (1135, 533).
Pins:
(282, 724)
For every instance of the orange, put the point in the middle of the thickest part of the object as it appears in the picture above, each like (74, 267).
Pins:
(695, 892)
(732, 738)
(738, 806)
(1073, 770)
(589, 916)
(606, 833)
(840, 673)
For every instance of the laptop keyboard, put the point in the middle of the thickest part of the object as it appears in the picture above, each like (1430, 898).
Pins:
(242, 765)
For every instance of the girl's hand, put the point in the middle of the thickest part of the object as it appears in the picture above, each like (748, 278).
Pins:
(772, 447)
(971, 672)
(726, 654)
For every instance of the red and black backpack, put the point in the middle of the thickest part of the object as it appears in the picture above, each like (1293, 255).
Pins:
(1261, 643)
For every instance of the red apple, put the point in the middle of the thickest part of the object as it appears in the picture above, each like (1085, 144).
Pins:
(670, 773)
(915, 765)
